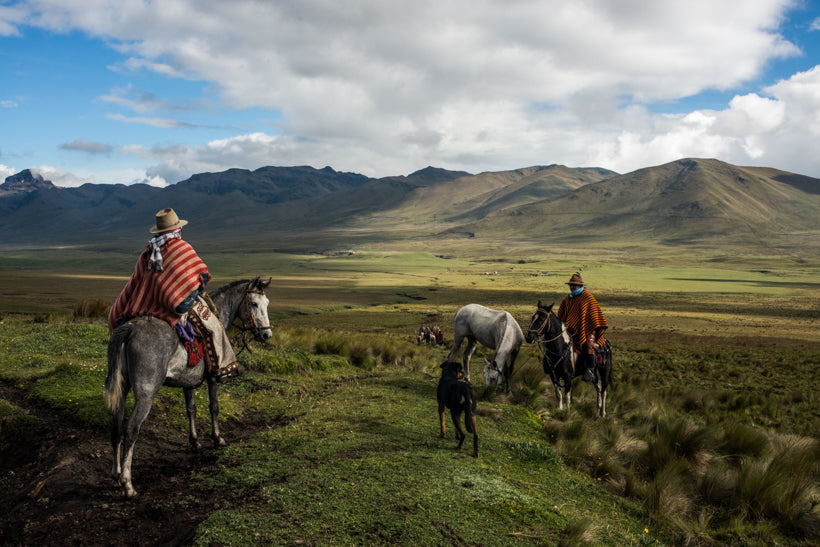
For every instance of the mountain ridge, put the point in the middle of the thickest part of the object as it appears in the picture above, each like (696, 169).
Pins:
(687, 201)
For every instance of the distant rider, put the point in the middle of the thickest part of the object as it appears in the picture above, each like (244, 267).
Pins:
(586, 322)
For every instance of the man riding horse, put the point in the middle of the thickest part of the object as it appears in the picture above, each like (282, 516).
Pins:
(583, 317)
(167, 282)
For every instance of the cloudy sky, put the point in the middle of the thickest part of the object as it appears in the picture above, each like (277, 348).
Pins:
(123, 91)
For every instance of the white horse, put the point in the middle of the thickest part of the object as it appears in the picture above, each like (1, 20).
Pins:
(495, 329)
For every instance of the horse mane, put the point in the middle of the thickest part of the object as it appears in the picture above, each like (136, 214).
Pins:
(230, 286)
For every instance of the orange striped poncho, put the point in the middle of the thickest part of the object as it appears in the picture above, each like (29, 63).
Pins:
(583, 316)
(158, 293)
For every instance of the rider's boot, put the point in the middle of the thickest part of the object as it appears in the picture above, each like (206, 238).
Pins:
(231, 371)
(589, 368)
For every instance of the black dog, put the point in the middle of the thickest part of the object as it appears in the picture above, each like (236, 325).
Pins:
(458, 397)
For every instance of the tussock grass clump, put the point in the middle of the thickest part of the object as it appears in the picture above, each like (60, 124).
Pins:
(782, 487)
(535, 452)
(739, 440)
(96, 308)
(360, 355)
(331, 344)
(579, 532)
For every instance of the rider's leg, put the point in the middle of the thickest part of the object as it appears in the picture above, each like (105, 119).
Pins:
(589, 359)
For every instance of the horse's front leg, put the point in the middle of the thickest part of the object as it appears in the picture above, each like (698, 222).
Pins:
(468, 353)
(190, 409)
(508, 371)
(559, 396)
(213, 404)
(602, 401)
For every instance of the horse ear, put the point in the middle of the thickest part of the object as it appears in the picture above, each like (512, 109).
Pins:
(540, 305)
(487, 364)
(265, 284)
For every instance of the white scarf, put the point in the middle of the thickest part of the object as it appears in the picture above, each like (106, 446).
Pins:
(156, 243)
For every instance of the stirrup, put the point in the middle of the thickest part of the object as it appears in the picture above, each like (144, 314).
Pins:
(231, 371)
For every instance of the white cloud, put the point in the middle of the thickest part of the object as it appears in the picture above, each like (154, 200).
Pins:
(62, 178)
(6, 171)
(10, 18)
(385, 88)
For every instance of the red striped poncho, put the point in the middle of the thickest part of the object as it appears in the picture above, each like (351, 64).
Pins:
(583, 316)
(158, 293)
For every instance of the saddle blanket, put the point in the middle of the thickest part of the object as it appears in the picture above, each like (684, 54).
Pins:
(192, 342)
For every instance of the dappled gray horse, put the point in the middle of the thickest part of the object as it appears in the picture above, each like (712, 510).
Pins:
(145, 353)
(495, 329)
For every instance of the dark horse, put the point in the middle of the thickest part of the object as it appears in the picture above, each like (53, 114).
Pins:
(145, 353)
(560, 359)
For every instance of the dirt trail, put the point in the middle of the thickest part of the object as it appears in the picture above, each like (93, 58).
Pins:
(56, 488)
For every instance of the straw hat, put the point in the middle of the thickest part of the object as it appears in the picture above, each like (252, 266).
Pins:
(167, 220)
(575, 279)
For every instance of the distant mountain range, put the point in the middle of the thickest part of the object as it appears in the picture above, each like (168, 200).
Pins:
(690, 201)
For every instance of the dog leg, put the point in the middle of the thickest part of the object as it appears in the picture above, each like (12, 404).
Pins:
(475, 436)
(460, 435)
(441, 419)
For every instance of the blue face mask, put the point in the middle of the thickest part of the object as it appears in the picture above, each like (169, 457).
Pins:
(577, 291)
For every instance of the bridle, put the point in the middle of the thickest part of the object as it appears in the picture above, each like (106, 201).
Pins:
(542, 342)
(244, 329)
(539, 332)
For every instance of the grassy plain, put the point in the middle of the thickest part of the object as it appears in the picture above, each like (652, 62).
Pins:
(711, 436)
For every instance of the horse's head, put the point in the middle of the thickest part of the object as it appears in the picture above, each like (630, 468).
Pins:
(538, 323)
(492, 376)
(254, 311)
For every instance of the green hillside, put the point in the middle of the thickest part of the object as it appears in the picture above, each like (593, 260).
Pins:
(687, 202)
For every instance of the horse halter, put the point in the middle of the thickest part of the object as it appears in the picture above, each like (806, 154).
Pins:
(248, 311)
(540, 330)
(542, 343)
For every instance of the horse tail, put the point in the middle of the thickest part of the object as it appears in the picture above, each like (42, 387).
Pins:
(116, 368)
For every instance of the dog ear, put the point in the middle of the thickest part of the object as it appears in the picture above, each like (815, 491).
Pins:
(444, 364)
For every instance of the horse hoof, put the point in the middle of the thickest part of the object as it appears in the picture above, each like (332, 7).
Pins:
(219, 441)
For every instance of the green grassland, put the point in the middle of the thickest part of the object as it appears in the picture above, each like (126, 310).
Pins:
(711, 434)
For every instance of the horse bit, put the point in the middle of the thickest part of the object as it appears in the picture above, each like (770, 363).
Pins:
(244, 330)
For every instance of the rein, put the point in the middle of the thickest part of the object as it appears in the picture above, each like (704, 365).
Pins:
(543, 342)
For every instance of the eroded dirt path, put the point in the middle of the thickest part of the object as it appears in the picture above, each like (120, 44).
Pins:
(56, 488)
